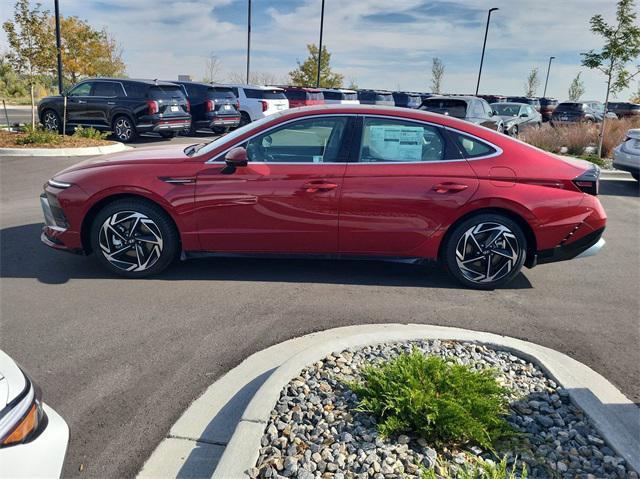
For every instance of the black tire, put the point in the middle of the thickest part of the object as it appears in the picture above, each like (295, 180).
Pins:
(168, 134)
(220, 130)
(244, 119)
(458, 244)
(124, 129)
(137, 235)
(515, 132)
(51, 121)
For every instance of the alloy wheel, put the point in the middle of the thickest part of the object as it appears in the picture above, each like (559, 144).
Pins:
(123, 129)
(51, 121)
(487, 252)
(130, 241)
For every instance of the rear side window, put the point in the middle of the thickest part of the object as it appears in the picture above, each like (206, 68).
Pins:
(386, 140)
(472, 147)
(104, 88)
(221, 94)
(315, 96)
(570, 107)
(265, 94)
(165, 92)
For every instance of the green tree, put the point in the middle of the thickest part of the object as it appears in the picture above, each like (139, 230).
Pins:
(437, 72)
(621, 48)
(532, 83)
(31, 51)
(307, 73)
(576, 88)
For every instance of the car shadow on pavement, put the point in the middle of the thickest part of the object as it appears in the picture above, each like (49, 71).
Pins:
(23, 256)
(620, 188)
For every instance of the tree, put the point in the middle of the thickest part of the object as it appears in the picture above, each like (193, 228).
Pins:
(576, 88)
(621, 48)
(532, 83)
(307, 73)
(257, 78)
(212, 69)
(437, 72)
(87, 52)
(353, 84)
(635, 97)
(31, 51)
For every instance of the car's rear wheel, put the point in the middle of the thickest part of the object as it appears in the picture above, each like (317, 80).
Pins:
(514, 131)
(485, 251)
(134, 238)
(124, 129)
(167, 134)
(51, 121)
(220, 130)
(244, 119)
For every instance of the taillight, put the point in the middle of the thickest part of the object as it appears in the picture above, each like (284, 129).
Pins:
(238, 105)
(188, 106)
(265, 105)
(153, 107)
(588, 182)
(209, 106)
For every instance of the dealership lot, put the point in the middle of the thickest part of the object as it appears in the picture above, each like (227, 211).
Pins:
(121, 359)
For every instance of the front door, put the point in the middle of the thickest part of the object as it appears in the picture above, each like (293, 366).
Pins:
(78, 104)
(285, 200)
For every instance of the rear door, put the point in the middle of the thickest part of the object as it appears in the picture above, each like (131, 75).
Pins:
(286, 199)
(409, 179)
(104, 98)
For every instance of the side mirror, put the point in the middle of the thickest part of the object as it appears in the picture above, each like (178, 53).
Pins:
(236, 157)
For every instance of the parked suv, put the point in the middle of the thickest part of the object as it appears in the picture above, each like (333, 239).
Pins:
(581, 111)
(534, 102)
(301, 96)
(125, 107)
(340, 96)
(406, 100)
(469, 108)
(213, 107)
(547, 107)
(258, 101)
(376, 97)
(625, 109)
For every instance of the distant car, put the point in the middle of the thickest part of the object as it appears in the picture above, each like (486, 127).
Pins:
(300, 96)
(517, 117)
(493, 98)
(340, 96)
(213, 107)
(578, 112)
(626, 156)
(534, 102)
(547, 107)
(258, 102)
(423, 96)
(468, 108)
(406, 100)
(625, 109)
(33, 437)
(376, 97)
(124, 106)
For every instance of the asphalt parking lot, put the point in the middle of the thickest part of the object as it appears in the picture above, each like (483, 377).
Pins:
(120, 360)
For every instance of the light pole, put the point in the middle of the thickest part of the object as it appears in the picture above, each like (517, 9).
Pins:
(58, 47)
(544, 95)
(484, 46)
(320, 48)
(248, 38)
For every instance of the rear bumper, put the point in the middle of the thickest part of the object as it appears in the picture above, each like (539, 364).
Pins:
(625, 161)
(165, 124)
(218, 121)
(588, 245)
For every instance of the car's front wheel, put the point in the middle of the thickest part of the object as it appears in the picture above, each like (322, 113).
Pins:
(51, 121)
(124, 129)
(485, 251)
(134, 238)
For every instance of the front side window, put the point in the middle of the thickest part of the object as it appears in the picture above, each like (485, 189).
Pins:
(84, 89)
(387, 140)
(474, 148)
(313, 140)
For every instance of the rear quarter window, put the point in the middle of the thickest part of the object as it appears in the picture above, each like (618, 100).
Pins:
(472, 147)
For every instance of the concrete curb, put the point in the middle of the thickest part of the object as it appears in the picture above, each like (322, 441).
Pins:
(614, 175)
(84, 151)
(617, 418)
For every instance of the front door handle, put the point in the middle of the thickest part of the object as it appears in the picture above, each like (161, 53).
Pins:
(82, 101)
(315, 186)
(449, 187)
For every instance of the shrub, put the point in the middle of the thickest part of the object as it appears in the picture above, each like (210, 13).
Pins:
(446, 404)
(481, 469)
(90, 133)
(38, 136)
(615, 132)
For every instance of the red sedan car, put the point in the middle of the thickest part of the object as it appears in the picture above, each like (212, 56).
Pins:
(333, 180)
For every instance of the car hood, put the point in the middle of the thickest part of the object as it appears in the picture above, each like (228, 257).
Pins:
(12, 380)
(164, 154)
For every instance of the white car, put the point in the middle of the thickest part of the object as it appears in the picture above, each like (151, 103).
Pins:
(257, 101)
(33, 437)
(340, 96)
(626, 156)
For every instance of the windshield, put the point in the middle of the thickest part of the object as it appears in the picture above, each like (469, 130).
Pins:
(504, 109)
(570, 107)
(218, 93)
(451, 107)
(165, 92)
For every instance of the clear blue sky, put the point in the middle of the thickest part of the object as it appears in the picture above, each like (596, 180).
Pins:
(377, 43)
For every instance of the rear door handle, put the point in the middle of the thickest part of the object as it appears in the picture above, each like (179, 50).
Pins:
(111, 103)
(449, 187)
(315, 186)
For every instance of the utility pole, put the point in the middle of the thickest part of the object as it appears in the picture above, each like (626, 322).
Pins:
(544, 95)
(320, 48)
(484, 46)
(248, 39)
(58, 48)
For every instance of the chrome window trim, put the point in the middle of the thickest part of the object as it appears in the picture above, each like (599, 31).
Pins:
(498, 150)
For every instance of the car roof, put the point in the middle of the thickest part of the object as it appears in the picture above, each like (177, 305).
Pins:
(136, 80)
(298, 88)
(200, 83)
(339, 90)
(510, 103)
(453, 97)
(252, 87)
(386, 92)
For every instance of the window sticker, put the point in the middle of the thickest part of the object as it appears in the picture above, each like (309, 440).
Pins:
(396, 143)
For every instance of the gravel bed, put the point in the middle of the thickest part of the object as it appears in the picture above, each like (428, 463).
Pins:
(315, 432)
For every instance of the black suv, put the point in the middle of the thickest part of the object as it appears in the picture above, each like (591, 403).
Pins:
(468, 108)
(125, 107)
(578, 111)
(376, 97)
(406, 100)
(213, 107)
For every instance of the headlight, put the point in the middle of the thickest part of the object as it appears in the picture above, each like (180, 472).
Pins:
(59, 184)
(22, 418)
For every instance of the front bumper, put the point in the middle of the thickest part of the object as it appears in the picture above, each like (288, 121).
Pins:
(55, 232)
(41, 457)
(588, 245)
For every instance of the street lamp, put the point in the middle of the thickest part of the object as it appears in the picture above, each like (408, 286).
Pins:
(58, 47)
(248, 38)
(544, 95)
(484, 46)
(320, 48)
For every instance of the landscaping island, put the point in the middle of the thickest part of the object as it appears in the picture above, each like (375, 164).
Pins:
(38, 138)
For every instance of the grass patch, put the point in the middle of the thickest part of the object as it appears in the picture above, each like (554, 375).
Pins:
(91, 133)
(41, 138)
(479, 469)
(447, 404)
